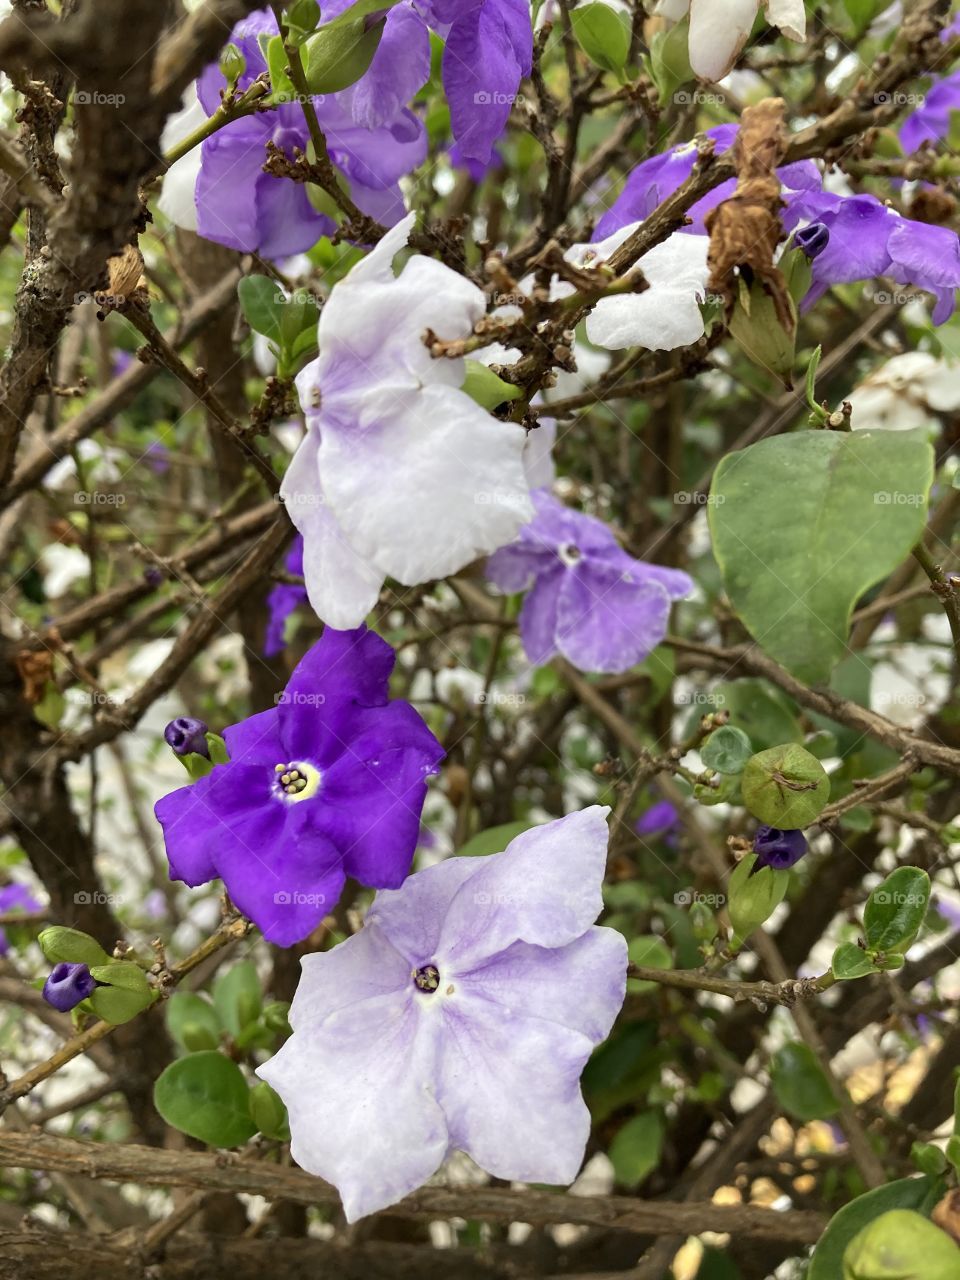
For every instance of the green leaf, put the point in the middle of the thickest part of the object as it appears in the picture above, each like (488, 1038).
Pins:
(193, 1021)
(895, 910)
(237, 997)
(603, 33)
(59, 943)
(901, 1245)
(117, 1005)
(649, 952)
(811, 383)
(261, 301)
(851, 961)
(727, 750)
(121, 973)
(906, 1193)
(785, 787)
(493, 840)
(801, 1086)
(804, 524)
(268, 1112)
(669, 63)
(757, 329)
(635, 1150)
(339, 52)
(217, 748)
(205, 1095)
(753, 898)
(487, 388)
(760, 710)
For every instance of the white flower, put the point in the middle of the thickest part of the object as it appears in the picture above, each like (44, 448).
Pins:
(909, 391)
(401, 473)
(667, 314)
(719, 28)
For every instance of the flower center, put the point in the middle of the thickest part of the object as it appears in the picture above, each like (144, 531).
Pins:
(297, 780)
(569, 553)
(427, 978)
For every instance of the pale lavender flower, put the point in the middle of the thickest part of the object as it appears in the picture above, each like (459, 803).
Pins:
(931, 120)
(15, 897)
(459, 1018)
(401, 473)
(590, 601)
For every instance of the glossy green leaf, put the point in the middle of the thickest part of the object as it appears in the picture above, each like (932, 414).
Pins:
(800, 1085)
(261, 301)
(804, 524)
(237, 996)
(121, 973)
(193, 1021)
(895, 910)
(603, 33)
(117, 1005)
(340, 52)
(59, 943)
(727, 750)
(752, 898)
(851, 961)
(635, 1149)
(760, 709)
(206, 1096)
(785, 787)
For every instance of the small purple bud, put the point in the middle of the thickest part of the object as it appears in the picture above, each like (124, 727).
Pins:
(778, 849)
(187, 734)
(68, 984)
(153, 576)
(812, 240)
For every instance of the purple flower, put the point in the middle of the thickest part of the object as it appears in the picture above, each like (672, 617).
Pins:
(651, 182)
(15, 897)
(186, 735)
(283, 599)
(590, 601)
(153, 576)
(475, 168)
(239, 205)
(328, 783)
(660, 819)
(869, 239)
(931, 120)
(158, 457)
(459, 1018)
(68, 984)
(812, 239)
(778, 849)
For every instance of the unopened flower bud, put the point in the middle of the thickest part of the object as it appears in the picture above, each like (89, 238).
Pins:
(187, 735)
(68, 984)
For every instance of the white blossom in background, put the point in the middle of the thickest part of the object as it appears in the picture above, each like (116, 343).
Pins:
(401, 473)
(909, 391)
(720, 28)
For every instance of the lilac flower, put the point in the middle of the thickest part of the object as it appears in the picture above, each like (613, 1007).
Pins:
(812, 239)
(778, 849)
(329, 783)
(649, 184)
(187, 736)
(68, 984)
(158, 457)
(590, 601)
(477, 169)
(931, 120)
(15, 897)
(221, 191)
(401, 473)
(284, 597)
(459, 1018)
(869, 239)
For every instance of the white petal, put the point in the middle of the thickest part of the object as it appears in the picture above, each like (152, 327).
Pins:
(378, 264)
(429, 483)
(718, 31)
(342, 587)
(789, 15)
(177, 200)
(667, 314)
(359, 1092)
